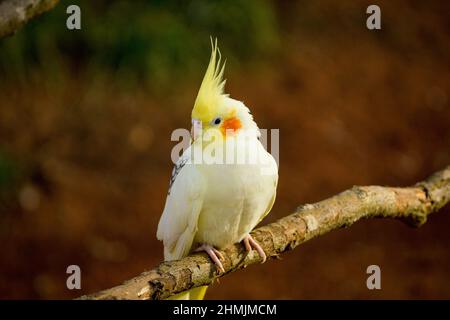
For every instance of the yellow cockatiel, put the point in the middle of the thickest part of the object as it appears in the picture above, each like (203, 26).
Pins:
(223, 184)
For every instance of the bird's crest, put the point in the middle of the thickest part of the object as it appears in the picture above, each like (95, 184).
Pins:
(211, 93)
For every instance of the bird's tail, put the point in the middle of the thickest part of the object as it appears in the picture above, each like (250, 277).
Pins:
(192, 294)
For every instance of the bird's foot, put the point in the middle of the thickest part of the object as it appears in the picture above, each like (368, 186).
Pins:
(250, 244)
(214, 254)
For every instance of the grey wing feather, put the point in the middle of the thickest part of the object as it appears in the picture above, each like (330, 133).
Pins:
(176, 169)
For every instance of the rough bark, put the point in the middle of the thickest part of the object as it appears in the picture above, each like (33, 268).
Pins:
(411, 205)
(15, 13)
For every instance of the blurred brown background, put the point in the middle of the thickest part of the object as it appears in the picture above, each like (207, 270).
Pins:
(86, 118)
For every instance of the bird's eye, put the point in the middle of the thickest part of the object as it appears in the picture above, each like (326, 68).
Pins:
(217, 121)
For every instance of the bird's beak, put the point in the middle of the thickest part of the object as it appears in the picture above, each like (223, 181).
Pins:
(196, 128)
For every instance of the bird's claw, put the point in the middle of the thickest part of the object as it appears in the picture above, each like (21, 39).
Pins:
(214, 254)
(250, 244)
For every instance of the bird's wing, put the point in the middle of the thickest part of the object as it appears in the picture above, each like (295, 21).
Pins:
(273, 168)
(178, 223)
(271, 202)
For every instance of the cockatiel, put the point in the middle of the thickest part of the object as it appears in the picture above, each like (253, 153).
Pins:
(216, 198)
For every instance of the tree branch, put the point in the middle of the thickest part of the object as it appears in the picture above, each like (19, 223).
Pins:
(411, 205)
(15, 13)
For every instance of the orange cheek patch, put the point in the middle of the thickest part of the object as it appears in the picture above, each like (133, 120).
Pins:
(231, 124)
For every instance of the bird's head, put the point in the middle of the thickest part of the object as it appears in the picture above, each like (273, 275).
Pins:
(215, 110)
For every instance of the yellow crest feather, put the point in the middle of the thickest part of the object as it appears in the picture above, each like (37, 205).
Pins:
(211, 92)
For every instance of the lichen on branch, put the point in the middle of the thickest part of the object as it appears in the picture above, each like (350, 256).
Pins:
(15, 13)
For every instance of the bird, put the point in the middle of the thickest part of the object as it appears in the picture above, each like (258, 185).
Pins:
(222, 185)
